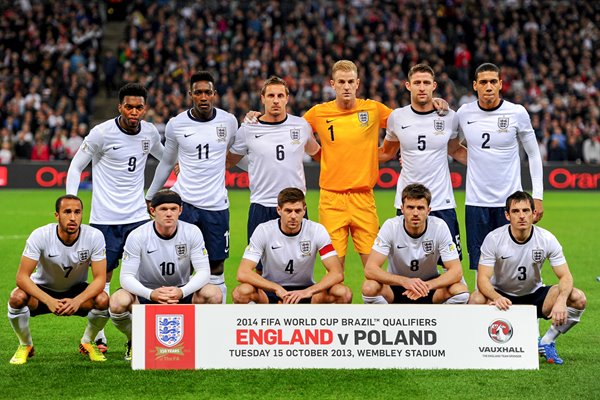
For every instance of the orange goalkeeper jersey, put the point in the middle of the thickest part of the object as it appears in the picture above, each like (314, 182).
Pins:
(349, 141)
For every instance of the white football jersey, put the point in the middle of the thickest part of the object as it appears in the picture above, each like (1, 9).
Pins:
(423, 141)
(153, 261)
(118, 164)
(60, 267)
(289, 260)
(493, 162)
(517, 266)
(201, 148)
(275, 153)
(415, 257)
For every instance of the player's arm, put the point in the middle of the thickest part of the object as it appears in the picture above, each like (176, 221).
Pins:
(247, 274)
(166, 164)
(312, 147)
(78, 164)
(96, 286)
(484, 285)
(441, 106)
(388, 150)
(565, 287)
(158, 149)
(457, 151)
(334, 275)
(232, 159)
(24, 282)
(373, 271)
(527, 138)
(452, 275)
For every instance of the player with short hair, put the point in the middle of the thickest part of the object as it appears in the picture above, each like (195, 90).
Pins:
(199, 139)
(158, 261)
(510, 273)
(118, 150)
(493, 129)
(275, 148)
(287, 248)
(413, 243)
(52, 278)
(425, 140)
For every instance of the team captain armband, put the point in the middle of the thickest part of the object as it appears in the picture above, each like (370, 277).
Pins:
(327, 251)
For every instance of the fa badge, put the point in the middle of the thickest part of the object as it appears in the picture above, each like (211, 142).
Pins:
(503, 124)
(363, 117)
(439, 125)
(428, 246)
(145, 146)
(537, 255)
(305, 247)
(181, 249)
(83, 255)
(295, 135)
(221, 133)
(169, 329)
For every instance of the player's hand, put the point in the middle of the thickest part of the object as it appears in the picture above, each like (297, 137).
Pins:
(176, 169)
(294, 296)
(417, 286)
(411, 294)
(558, 314)
(252, 117)
(68, 307)
(539, 210)
(54, 305)
(441, 106)
(161, 295)
(502, 303)
(281, 293)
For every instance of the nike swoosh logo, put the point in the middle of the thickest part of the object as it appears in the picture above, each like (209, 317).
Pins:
(275, 247)
(257, 136)
(404, 127)
(151, 251)
(53, 255)
(401, 247)
(117, 147)
(505, 257)
(329, 120)
(189, 134)
(470, 122)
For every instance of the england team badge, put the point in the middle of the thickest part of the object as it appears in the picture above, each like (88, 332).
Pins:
(221, 134)
(169, 329)
(305, 247)
(428, 246)
(537, 255)
(83, 255)
(295, 136)
(503, 123)
(439, 125)
(145, 146)
(363, 117)
(181, 249)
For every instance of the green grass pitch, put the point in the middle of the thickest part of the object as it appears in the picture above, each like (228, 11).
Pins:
(59, 372)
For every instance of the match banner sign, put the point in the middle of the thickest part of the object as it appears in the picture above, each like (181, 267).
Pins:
(334, 336)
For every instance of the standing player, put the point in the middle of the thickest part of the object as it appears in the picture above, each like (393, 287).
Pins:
(348, 129)
(413, 243)
(510, 273)
(275, 147)
(157, 264)
(287, 248)
(493, 129)
(52, 278)
(118, 149)
(425, 140)
(199, 139)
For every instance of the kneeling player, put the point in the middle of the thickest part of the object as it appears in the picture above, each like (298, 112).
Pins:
(52, 278)
(509, 272)
(287, 248)
(157, 265)
(413, 243)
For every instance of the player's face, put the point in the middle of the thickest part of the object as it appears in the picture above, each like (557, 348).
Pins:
(415, 213)
(203, 96)
(520, 215)
(421, 87)
(345, 84)
(132, 111)
(488, 86)
(166, 215)
(291, 216)
(275, 101)
(69, 216)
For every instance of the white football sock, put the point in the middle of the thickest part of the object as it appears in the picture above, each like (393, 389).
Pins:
(374, 299)
(219, 280)
(96, 321)
(461, 298)
(122, 322)
(573, 317)
(19, 320)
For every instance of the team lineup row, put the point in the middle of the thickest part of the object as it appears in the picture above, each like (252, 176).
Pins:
(278, 263)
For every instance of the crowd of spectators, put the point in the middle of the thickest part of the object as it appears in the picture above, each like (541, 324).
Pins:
(549, 52)
(49, 71)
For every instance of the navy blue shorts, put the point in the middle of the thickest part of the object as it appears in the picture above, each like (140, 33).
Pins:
(185, 300)
(214, 226)
(273, 299)
(115, 237)
(449, 217)
(479, 222)
(536, 299)
(73, 292)
(399, 298)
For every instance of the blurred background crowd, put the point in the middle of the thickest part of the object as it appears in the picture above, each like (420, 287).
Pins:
(57, 67)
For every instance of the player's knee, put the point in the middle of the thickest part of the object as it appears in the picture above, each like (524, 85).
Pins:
(577, 299)
(458, 288)
(241, 294)
(342, 293)
(101, 301)
(477, 298)
(209, 294)
(217, 267)
(18, 298)
(120, 301)
(371, 288)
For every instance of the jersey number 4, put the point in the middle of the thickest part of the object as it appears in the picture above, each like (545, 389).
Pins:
(289, 268)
